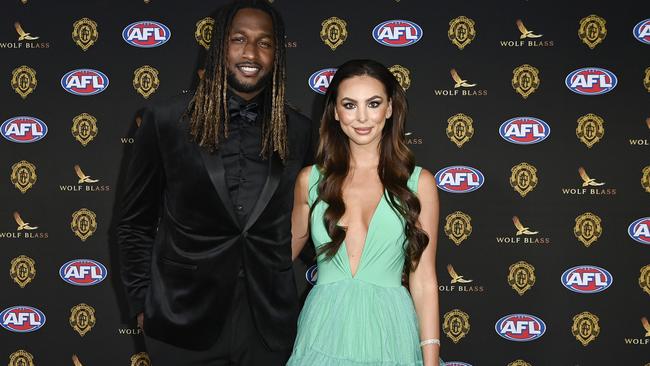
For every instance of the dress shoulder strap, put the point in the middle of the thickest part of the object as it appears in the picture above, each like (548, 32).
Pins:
(314, 179)
(413, 179)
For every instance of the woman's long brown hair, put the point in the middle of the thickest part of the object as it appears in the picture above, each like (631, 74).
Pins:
(396, 163)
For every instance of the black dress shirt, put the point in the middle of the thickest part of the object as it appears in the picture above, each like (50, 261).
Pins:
(246, 171)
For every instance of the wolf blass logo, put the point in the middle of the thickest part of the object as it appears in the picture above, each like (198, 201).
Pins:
(646, 334)
(462, 87)
(25, 40)
(129, 331)
(24, 230)
(527, 38)
(85, 183)
(523, 235)
(589, 186)
(642, 141)
(459, 284)
(412, 139)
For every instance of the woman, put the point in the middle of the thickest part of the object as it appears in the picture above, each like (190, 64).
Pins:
(372, 215)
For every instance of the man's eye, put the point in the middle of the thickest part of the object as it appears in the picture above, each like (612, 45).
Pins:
(238, 39)
(266, 44)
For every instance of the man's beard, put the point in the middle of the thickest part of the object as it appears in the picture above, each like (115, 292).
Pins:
(237, 85)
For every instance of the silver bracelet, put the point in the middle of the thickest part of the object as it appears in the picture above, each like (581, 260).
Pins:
(430, 341)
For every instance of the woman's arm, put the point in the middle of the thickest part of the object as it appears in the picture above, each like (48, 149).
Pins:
(300, 213)
(423, 282)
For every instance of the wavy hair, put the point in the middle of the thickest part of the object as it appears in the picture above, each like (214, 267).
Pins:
(396, 163)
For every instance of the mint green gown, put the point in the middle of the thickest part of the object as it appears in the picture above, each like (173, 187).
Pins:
(365, 320)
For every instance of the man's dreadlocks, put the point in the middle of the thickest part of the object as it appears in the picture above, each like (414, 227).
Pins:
(208, 110)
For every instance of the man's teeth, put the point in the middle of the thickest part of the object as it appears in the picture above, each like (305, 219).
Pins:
(248, 69)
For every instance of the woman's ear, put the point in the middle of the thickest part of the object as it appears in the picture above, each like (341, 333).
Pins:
(336, 114)
(389, 110)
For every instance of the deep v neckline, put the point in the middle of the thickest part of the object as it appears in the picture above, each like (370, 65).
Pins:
(365, 240)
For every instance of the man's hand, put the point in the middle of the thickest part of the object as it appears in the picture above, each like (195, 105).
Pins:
(141, 321)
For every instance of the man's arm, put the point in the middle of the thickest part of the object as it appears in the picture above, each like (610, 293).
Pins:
(139, 212)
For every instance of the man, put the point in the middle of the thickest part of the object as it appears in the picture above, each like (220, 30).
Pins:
(205, 228)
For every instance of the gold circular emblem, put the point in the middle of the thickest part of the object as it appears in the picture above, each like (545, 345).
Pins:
(334, 32)
(21, 358)
(458, 227)
(145, 80)
(203, 33)
(82, 318)
(84, 223)
(459, 129)
(644, 279)
(519, 363)
(23, 80)
(84, 128)
(456, 325)
(23, 270)
(525, 80)
(587, 228)
(23, 175)
(402, 74)
(645, 178)
(84, 33)
(140, 359)
(523, 178)
(646, 79)
(461, 31)
(592, 30)
(521, 277)
(585, 327)
(590, 129)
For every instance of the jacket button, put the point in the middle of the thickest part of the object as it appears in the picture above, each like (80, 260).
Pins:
(244, 234)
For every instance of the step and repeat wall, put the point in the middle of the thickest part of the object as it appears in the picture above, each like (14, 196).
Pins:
(534, 117)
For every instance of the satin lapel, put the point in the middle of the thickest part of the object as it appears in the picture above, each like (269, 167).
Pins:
(214, 166)
(272, 182)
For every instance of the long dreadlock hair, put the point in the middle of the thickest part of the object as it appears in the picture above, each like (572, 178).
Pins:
(208, 109)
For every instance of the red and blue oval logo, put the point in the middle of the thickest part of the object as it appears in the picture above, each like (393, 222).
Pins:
(83, 272)
(22, 319)
(591, 81)
(146, 34)
(524, 130)
(23, 129)
(84, 82)
(639, 230)
(311, 275)
(397, 33)
(459, 179)
(520, 327)
(642, 31)
(321, 79)
(586, 279)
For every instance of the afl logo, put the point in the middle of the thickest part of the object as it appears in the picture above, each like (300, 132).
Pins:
(642, 31)
(23, 129)
(83, 272)
(22, 319)
(146, 34)
(591, 81)
(312, 274)
(639, 230)
(459, 179)
(520, 327)
(397, 33)
(524, 130)
(321, 79)
(586, 279)
(84, 82)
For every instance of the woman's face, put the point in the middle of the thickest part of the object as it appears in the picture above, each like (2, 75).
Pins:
(362, 108)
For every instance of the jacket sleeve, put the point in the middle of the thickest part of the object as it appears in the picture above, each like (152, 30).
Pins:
(140, 208)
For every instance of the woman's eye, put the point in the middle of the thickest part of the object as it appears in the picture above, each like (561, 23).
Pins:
(374, 104)
(348, 105)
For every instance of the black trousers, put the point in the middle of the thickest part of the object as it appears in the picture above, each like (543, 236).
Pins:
(239, 344)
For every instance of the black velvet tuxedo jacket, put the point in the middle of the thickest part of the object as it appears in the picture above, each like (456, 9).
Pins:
(182, 246)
